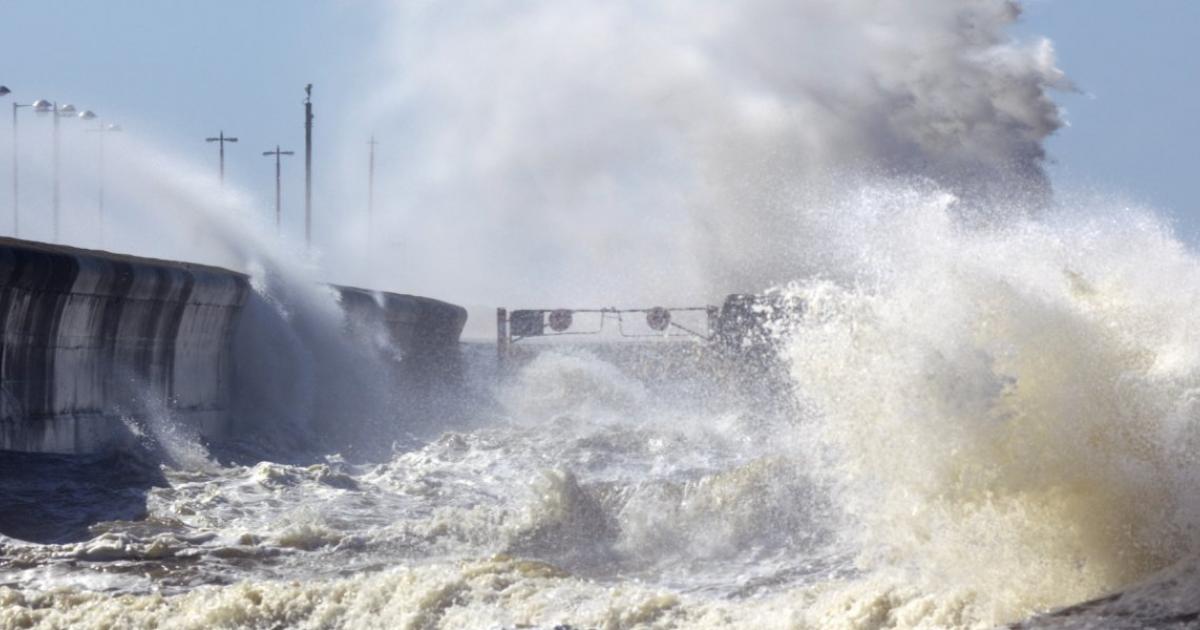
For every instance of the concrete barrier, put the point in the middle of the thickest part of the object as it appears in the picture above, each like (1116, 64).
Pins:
(351, 380)
(91, 340)
(423, 329)
(421, 347)
(95, 346)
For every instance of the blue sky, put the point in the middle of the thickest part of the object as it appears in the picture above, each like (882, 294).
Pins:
(178, 72)
(182, 71)
(1135, 124)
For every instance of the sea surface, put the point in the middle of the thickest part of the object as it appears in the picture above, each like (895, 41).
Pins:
(656, 485)
(575, 492)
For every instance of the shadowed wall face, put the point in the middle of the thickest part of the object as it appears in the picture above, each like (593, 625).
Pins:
(94, 345)
(97, 349)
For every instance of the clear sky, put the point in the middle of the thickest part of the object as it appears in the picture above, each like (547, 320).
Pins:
(178, 72)
(182, 71)
(1135, 123)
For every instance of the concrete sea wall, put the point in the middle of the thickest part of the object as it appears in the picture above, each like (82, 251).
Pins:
(96, 347)
(92, 342)
(422, 361)
(311, 379)
(423, 329)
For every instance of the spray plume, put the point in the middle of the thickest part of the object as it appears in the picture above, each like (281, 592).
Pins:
(672, 150)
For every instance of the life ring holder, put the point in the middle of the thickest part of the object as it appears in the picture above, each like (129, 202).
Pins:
(560, 319)
(658, 318)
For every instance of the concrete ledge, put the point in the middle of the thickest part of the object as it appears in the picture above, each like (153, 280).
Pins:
(94, 343)
(91, 339)
(421, 328)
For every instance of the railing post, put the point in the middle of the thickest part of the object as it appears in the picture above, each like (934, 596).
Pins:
(502, 338)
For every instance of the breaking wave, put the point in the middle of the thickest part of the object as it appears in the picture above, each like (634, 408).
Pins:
(993, 401)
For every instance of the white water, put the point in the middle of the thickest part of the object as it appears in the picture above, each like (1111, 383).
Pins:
(995, 393)
(989, 425)
(1009, 416)
(676, 151)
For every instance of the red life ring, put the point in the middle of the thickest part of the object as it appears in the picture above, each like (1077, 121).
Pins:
(658, 318)
(560, 320)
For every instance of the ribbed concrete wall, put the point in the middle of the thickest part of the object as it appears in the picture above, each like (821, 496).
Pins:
(93, 343)
(90, 339)
(421, 362)
(423, 329)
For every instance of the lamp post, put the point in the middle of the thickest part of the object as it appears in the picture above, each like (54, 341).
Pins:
(103, 130)
(370, 190)
(43, 107)
(222, 139)
(15, 180)
(308, 118)
(278, 205)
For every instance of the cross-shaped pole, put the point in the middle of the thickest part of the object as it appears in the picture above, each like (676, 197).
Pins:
(277, 153)
(221, 139)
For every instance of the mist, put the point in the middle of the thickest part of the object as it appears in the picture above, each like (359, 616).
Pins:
(616, 152)
(609, 153)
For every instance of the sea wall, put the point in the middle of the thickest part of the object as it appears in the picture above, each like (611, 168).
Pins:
(420, 346)
(424, 330)
(97, 348)
(94, 346)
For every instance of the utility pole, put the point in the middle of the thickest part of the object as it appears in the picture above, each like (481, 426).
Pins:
(221, 139)
(277, 153)
(308, 118)
(370, 192)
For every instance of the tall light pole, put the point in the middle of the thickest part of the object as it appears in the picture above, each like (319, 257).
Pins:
(103, 130)
(370, 189)
(278, 204)
(308, 118)
(221, 139)
(15, 179)
(42, 106)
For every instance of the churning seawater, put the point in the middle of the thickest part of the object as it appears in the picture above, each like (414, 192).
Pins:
(579, 495)
(979, 426)
(989, 410)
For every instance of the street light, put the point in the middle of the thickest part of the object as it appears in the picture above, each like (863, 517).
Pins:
(103, 130)
(370, 187)
(222, 139)
(43, 107)
(370, 197)
(277, 153)
(15, 177)
(4, 91)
